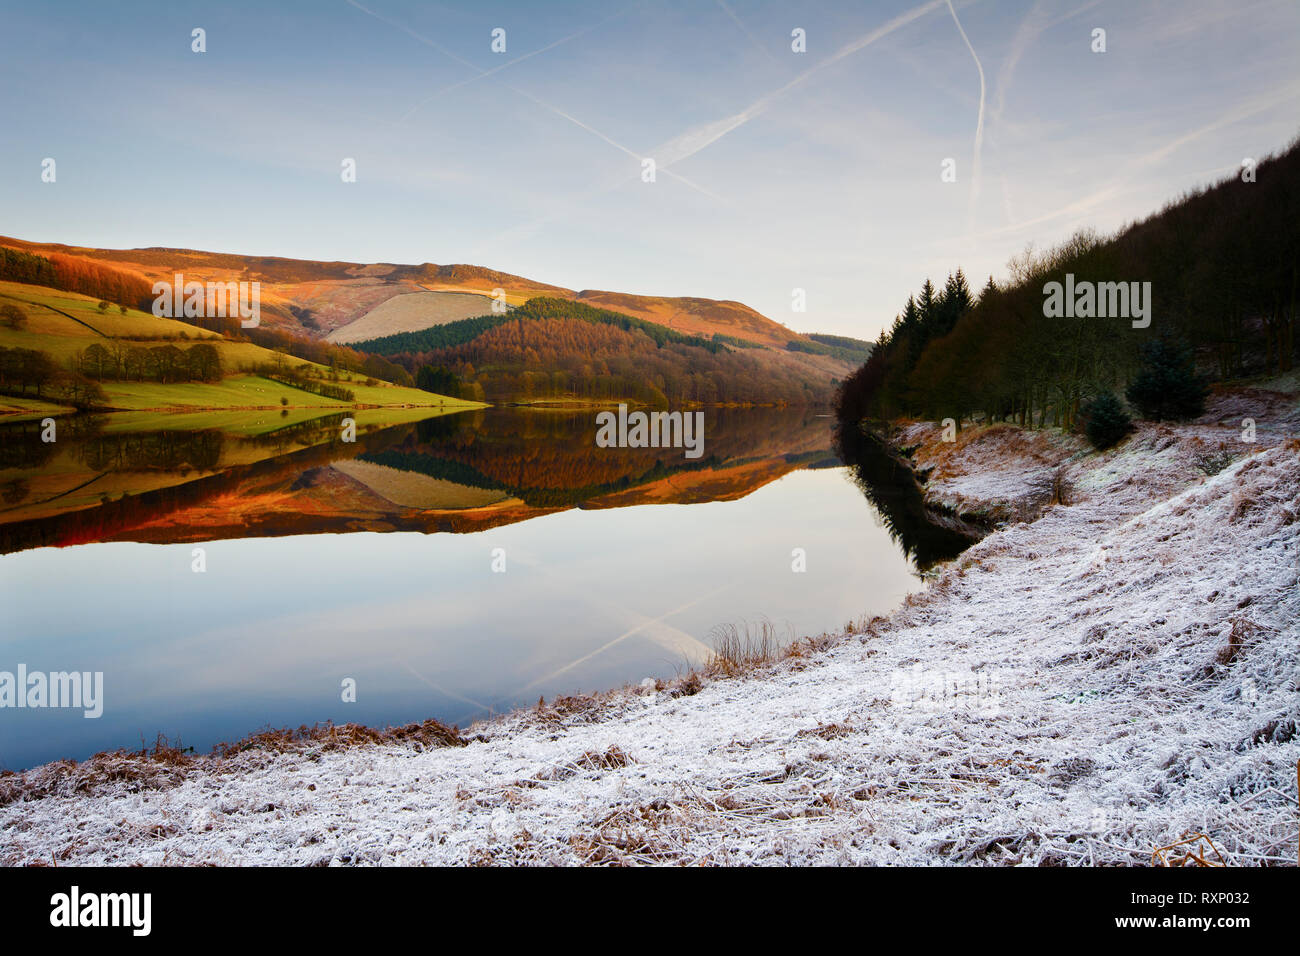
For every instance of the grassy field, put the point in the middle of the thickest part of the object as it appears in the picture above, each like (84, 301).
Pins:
(411, 312)
(61, 335)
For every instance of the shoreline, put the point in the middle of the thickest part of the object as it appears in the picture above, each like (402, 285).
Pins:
(1085, 693)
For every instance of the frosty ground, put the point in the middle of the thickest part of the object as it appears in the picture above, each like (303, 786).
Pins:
(1116, 668)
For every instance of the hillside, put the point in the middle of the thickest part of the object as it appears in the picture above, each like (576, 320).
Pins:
(325, 297)
(348, 303)
(552, 349)
(706, 317)
(1214, 277)
(141, 362)
(412, 312)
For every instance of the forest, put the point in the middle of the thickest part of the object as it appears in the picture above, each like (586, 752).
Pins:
(552, 348)
(76, 274)
(1223, 263)
(541, 307)
(565, 357)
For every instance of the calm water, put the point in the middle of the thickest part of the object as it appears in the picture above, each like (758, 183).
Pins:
(379, 561)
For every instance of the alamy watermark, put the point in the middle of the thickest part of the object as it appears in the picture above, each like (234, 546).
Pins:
(38, 689)
(651, 430)
(194, 300)
(1100, 300)
(75, 908)
(920, 689)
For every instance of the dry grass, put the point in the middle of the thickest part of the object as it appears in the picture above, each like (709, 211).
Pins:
(167, 764)
(738, 649)
(1192, 850)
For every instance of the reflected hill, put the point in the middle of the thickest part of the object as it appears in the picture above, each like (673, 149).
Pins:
(123, 478)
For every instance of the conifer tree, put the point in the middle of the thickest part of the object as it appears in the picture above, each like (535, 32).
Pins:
(1166, 385)
(1105, 421)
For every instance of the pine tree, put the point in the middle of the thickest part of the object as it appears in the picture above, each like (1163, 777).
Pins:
(954, 302)
(927, 304)
(1166, 385)
(1105, 421)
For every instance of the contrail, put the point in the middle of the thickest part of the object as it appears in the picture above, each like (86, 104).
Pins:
(444, 691)
(1116, 184)
(629, 633)
(416, 36)
(745, 30)
(496, 69)
(701, 137)
(979, 123)
(1029, 29)
(480, 73)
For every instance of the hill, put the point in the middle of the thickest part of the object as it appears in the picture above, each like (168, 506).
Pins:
(1207, 288)
(556, 349)
(345, 303)
(315, 297)
(692, 316)
(72, 351)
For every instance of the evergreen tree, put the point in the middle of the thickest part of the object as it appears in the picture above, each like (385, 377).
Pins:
(954, 302)
(1166, 385)
(989, 289)
(927, 304)
(1105, 421)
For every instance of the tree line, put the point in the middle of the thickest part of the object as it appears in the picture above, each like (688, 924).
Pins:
(120, 361)
(25, 372)
(76, 274)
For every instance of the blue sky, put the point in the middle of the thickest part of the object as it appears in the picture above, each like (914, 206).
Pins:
(776, 170)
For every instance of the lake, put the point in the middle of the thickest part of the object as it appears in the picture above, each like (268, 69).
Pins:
(231, 572)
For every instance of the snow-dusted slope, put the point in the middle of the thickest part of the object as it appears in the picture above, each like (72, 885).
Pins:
(1081, 689)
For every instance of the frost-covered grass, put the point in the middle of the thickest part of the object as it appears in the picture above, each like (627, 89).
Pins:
(1081, 689)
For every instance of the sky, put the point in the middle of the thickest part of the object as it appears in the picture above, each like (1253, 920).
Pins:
(775, 170)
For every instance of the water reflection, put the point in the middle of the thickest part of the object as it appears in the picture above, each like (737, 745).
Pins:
(617, 563)
(927, 535)
(106, 481)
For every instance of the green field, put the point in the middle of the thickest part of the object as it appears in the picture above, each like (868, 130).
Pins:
(63, 336)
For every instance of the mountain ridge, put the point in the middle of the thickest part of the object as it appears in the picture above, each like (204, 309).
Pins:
(317, 297)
